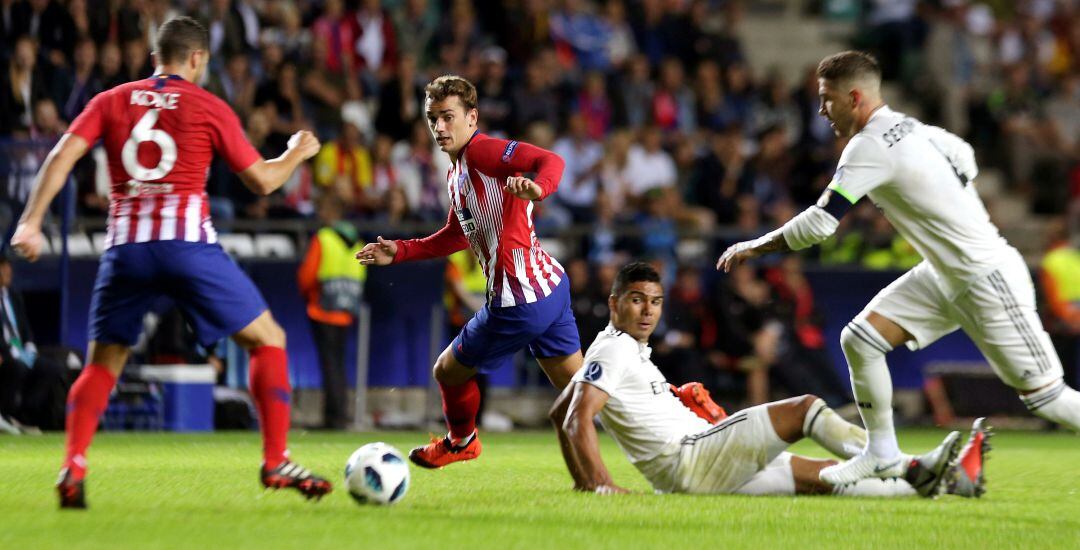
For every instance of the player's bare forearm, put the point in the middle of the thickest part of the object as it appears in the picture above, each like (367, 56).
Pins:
(558, 417)
(585, 446)
(266, 176)
(52, 176)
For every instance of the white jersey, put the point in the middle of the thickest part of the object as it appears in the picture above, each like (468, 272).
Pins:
(644, 417)
(920, 177)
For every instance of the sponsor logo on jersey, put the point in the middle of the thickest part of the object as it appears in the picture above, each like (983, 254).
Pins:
(593, 372)
(509, 151)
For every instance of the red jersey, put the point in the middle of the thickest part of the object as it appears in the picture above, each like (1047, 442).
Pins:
(495, 224)
(160, 135)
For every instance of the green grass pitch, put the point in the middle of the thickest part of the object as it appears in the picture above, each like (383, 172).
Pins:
(201, 491)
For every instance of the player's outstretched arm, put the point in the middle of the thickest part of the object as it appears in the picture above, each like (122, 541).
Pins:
(266, 176)
(444, 242)
(27, 240)
(811, 226)
(378, 253)
(580, 432)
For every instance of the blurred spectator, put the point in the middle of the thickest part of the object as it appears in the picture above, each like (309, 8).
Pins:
(581, 177)
(673, 102)
(333, 32)
(281, 94)
(803, 365)
(648, 165)
(748, 335)
(620, 44)
(894, 33)
(23, 83)
(324, 91)
(580, 36)
(637, 92)
(32, 388)
(690, 330)
(595, 107)
(50, 25)
(229, 30)
(332, 282)
(418, 176)
(535, 99)
(236, 84)
(719, 177)
(401, 101)
(375, 41)
(775, 108)
(589, 300)
(154, 13)
(614, 174)
(111, 65)
(1059, 275)
(415, 27)
(343, 168)
(495, 100)
(76, 86)
(48, 126)
(137, 62)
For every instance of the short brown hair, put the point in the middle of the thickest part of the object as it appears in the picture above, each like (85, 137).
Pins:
(451, 85)
(849, 65)
(180, 36)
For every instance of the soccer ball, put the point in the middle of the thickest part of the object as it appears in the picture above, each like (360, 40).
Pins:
(377, 473)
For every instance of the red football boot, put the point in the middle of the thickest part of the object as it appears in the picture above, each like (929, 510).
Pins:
(441, 452)
(696, 398)
(966, 477)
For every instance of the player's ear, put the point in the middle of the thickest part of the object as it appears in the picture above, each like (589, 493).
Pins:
(473, 116)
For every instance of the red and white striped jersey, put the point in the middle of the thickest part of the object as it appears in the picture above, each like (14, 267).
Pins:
(160, 135)
(495, 224)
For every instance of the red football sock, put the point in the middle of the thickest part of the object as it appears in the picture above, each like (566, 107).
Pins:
(269, 385)
(86, 403)
(460, 405)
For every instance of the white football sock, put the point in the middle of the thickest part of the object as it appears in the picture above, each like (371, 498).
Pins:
(1057, 403)
(865, 351)
(875, 487)
(835, 434)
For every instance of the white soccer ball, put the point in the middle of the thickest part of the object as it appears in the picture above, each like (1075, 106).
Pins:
(377, 473)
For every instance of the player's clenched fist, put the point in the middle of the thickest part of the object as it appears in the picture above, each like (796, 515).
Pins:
(379, 253)
(27, 241)
(305, 143)
(735, 255)
(522, 188)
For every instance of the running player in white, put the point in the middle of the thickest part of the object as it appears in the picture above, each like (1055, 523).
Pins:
(679, 452)
(921, 178)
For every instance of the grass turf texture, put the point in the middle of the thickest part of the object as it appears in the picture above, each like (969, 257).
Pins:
(167, 490)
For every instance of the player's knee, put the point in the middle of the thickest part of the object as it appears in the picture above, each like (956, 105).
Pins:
(856, 341)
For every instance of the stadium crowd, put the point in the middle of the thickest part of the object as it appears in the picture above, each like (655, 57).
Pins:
(664, 124)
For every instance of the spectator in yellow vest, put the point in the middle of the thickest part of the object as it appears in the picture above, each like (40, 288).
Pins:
(1060, 278)
(332, 283)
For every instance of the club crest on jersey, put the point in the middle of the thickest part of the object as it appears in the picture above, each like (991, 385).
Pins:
(593, 372)
(462, 184)
(509, 151)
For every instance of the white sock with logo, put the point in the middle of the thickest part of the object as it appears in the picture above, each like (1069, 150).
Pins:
(865, 351)
(1057, 403)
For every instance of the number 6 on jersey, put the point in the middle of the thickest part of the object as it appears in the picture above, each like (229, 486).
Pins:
(142, 132)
